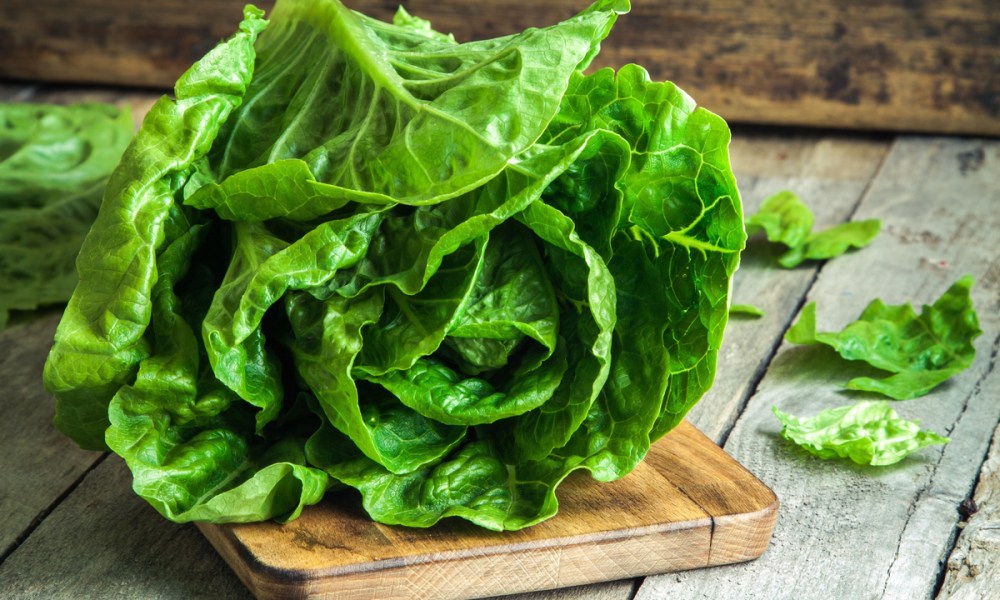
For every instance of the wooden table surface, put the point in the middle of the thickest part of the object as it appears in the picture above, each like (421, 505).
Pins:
(70, 527)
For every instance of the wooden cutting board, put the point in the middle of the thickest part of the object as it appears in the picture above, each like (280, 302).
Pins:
(688, 505)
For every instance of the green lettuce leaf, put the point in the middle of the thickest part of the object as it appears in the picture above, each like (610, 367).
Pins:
(101, 339)
(785, 219)
(54, 164)
(922, 350)
(746, 310)
(868, 433)
(360, 253)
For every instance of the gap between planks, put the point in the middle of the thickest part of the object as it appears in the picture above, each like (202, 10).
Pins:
(968, 572)
(938, 224)
(45, 512)
(758, 374)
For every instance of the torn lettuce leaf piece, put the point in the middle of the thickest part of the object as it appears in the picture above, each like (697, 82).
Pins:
(415, 24)
(746, 310)
(784, 218)
(54, 163)
(832, 242)
(868, 433)
(101, 339)
(922, 350)
(359, 253)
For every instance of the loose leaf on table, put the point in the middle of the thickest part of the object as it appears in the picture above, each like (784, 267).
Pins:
(54, 163)
(360, 253)
(785, 218)
(922, 350)
(868, 433)
(746, 310)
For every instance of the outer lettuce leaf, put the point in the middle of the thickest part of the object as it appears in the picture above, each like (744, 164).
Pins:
(383, 114)
(444, 274)
(100, 340)
(868, 433)
(673, 222)
(784, 218)
(188, 440)
(922, 350)
(54, 163)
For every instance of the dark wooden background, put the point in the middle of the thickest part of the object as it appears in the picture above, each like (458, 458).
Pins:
(899, 65)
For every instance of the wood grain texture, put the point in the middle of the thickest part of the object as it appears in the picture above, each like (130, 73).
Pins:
(116, 42)
(973, 567)
(888, 64)
(104, 542)
(852, 532)
(37, 463)
(689, 505)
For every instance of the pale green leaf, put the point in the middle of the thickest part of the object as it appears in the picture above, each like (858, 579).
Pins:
(922, 350)
(868, 433)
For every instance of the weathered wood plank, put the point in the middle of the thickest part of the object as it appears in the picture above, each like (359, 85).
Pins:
(115, 42)
(103, 541)
(974, 565)
(37, 464)
(830, 173)
(883, 64)
(851, 532)
(613, 590)
(887, 64)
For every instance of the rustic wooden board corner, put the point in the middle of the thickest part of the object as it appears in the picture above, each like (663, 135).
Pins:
(688, 505)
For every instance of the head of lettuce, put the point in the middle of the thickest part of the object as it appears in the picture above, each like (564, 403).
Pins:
(353, 253)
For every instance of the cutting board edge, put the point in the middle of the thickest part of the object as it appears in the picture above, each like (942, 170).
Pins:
(224, 540)
(624, 546)
(737, 515)
(741, 537)
(733, 538)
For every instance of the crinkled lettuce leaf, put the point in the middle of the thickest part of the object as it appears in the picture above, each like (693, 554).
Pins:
(358, 253)
(102, 337)
(54, 163)
(784, 218)
(867, 432)
(921, 350)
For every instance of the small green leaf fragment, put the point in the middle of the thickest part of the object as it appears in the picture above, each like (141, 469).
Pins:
(922, 350)
(868, 433)
(746, 310)
(833, 242)
(784, 218)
